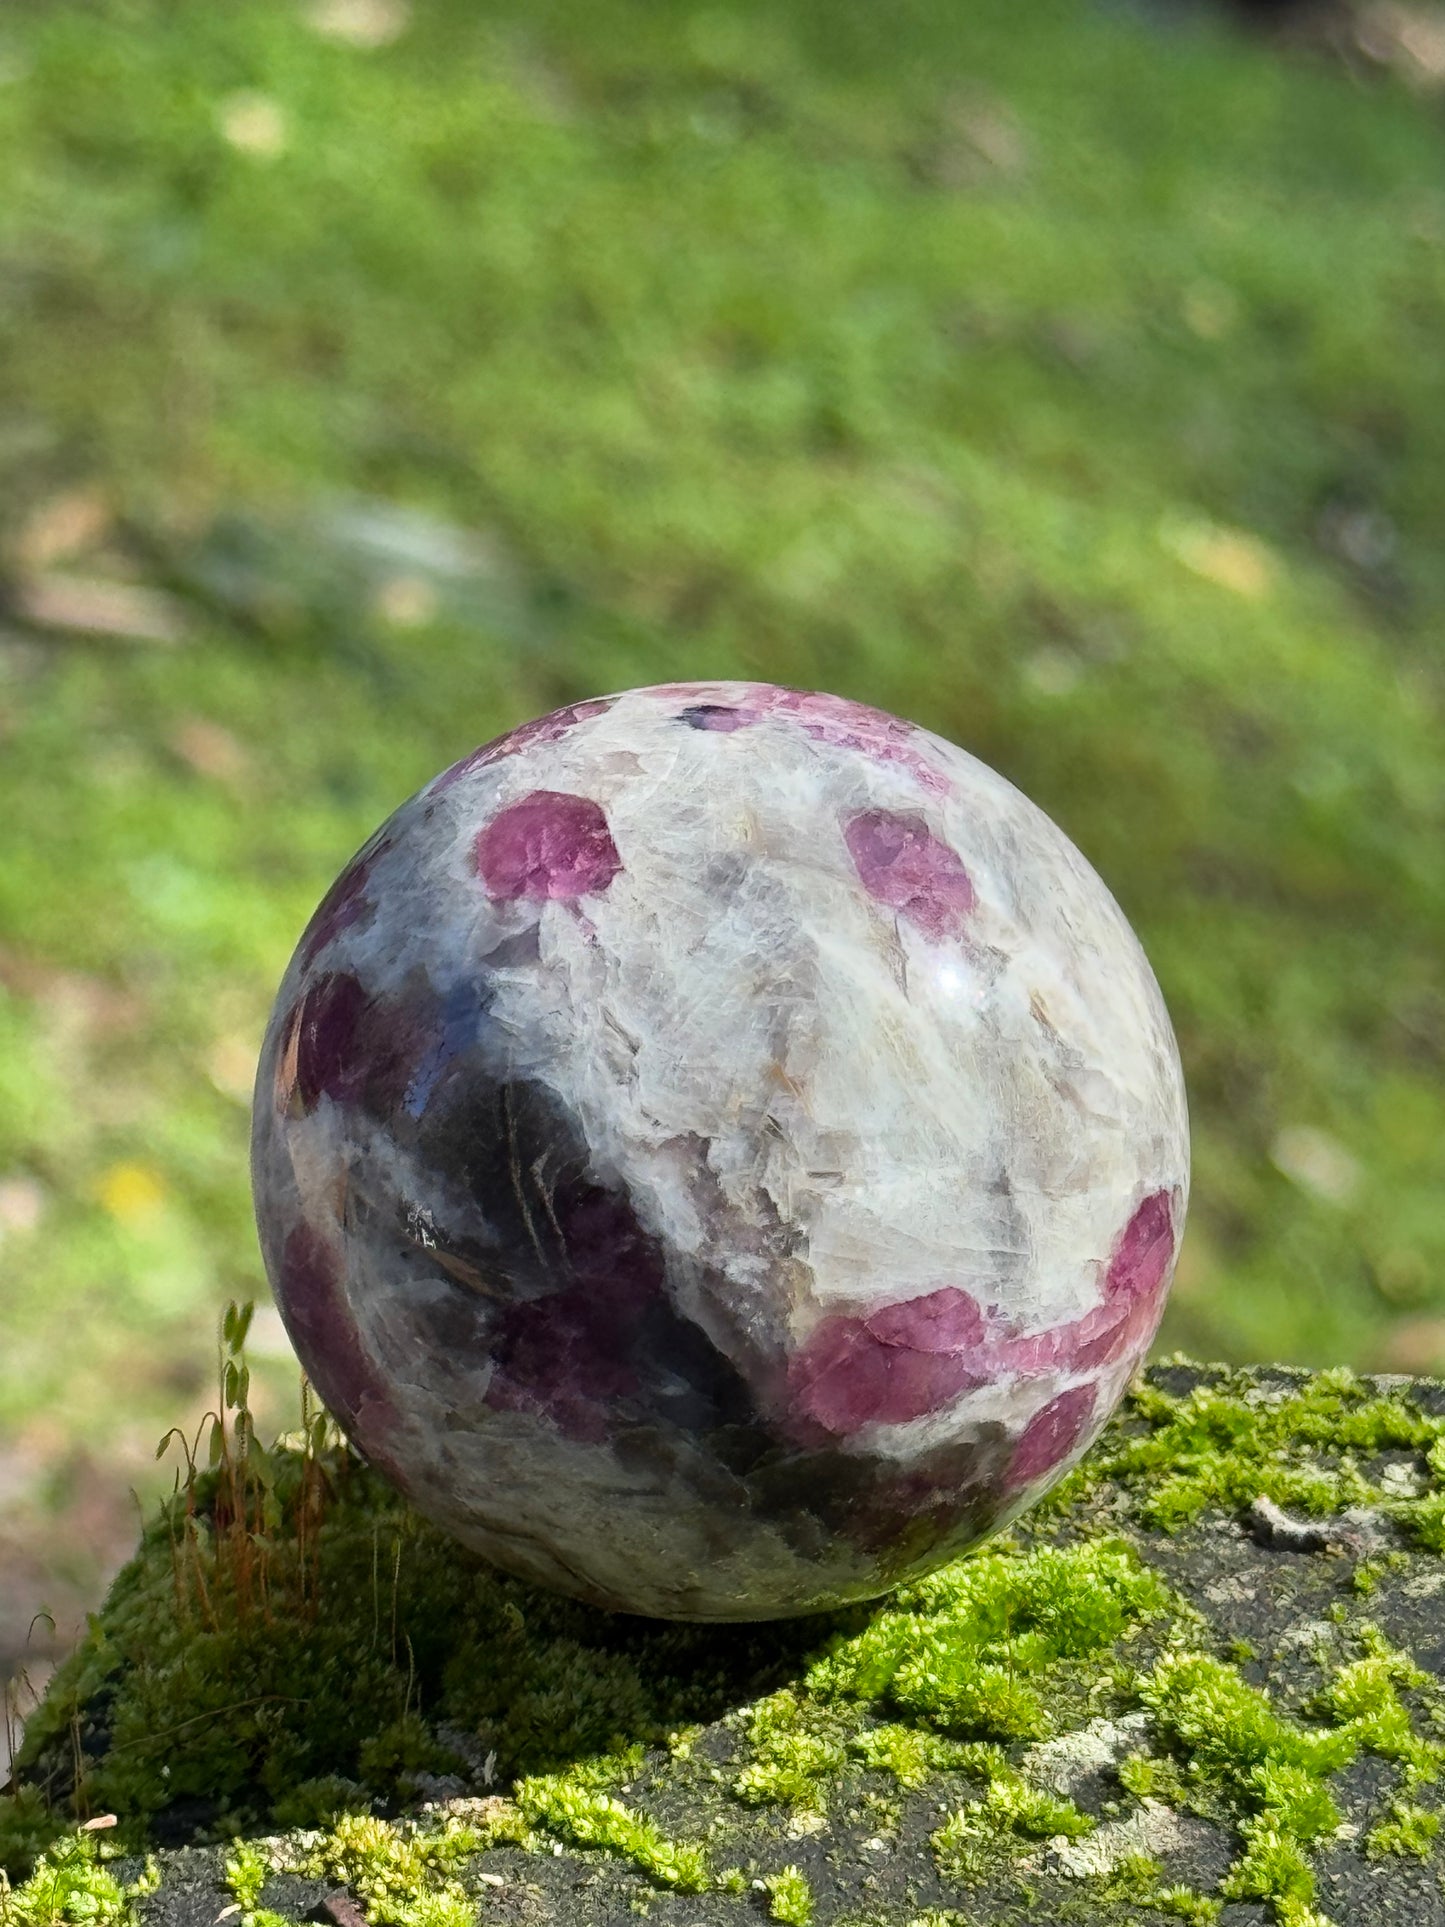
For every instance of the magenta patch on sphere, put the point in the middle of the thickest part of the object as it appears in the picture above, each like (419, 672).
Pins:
(901, 863)
(542, 730)
(717, 717)
(844, 724)
(328, 1062)
(549, 846)
(835, 721)
(1144, 1254)
(1125, 1321)
(915, 1356)
(1051, 1435)
(847, 1377)
(351, 1047)
(947, 1320)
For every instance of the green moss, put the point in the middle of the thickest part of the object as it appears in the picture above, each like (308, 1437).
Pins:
(28, 1824)
(1425, 1518)
(1293, 1799)
(72, 1886)
(1010, 1811)
(404, 1874)
(1013, 1806)
(912, 1754)
(1274, 1867)
(1225, 1728)
(318, 1803)
(1133, 1882)
(796, 1750)
(972, 1648)
(1273, 1771)
(1148, 1776)
(1366, 1697)
(1269, 1769)
(968, 1654)
(1408, 1830)
(247, 1872)
(1224, 1445)
(790, 1897)
(1181, 1903)
(391, 1865)
(1363, 1697)
(588, 1817)
(958, 1846)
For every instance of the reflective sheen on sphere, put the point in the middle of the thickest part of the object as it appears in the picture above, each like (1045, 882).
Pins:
(720, 1150)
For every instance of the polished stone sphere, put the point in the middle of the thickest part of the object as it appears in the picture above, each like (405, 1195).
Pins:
(720, 1150)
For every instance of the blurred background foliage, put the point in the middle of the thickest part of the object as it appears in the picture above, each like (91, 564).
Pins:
(374, 375)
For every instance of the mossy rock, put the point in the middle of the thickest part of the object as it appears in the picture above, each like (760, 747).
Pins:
(1201, 1683)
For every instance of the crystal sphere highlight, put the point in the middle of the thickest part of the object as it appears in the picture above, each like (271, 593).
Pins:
(720, 1150)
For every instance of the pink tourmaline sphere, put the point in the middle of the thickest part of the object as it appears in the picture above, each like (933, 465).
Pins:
(720, 1150)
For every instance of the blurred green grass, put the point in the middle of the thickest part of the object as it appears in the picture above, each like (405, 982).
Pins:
(1070, 385)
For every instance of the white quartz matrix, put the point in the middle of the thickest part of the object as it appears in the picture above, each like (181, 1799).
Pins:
(721, 1150)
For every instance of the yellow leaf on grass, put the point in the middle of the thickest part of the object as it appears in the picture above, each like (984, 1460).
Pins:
(1232, 558)
(131, 1193)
